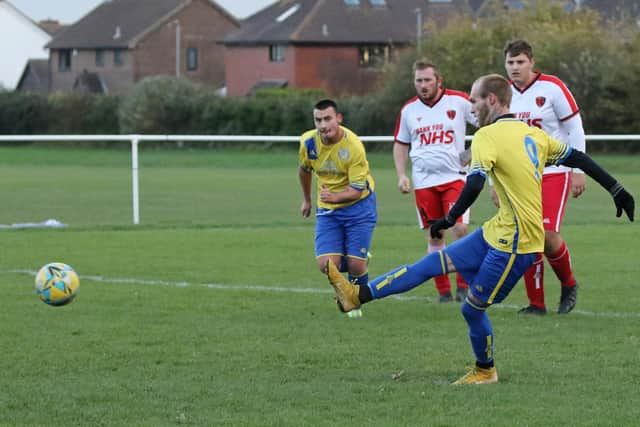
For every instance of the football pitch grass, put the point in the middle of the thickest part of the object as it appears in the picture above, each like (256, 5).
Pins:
(212, 311)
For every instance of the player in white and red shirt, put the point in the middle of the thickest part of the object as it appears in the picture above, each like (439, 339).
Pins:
(544, 101)
(431, 129)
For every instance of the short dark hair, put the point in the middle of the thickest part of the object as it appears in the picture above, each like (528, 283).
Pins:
(516, 47)
(497, 85)
(424, 63)
(326, 103)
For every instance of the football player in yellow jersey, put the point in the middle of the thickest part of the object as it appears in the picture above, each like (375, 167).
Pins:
(346, 203)
(495, 256)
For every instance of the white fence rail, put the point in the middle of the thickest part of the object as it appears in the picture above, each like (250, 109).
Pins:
(135, 140)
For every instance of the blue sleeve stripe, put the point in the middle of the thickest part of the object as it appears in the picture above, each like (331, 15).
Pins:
(567, 154)
(478, 172)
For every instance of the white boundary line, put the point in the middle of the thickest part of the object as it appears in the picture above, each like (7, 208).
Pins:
(260, 288)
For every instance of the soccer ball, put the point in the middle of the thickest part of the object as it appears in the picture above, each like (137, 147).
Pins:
(57, 284)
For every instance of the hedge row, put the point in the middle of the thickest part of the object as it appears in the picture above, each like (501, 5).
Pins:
(157, 105)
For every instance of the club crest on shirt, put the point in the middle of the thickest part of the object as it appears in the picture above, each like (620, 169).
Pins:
(540, 100)
(451, 114)
(419, 119)
(343, 154)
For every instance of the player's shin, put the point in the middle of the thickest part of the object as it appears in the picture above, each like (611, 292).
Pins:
(407, 277)
(443, 284)
(480, 334)
(560, 261)
(534, 282)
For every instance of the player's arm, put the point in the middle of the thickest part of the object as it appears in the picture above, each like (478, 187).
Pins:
(349, 194)
(357, 172)
(470, 192)
(621, 197)
(576, 139)
(568, 113)
(400, 157)
(465, 156)
(304, 176)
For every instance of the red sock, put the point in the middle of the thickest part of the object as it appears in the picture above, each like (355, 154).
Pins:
(460, 282)
(443, 285)
(534, 282)
(561, 264)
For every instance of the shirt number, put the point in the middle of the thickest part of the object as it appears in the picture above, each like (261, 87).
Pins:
(532, 152)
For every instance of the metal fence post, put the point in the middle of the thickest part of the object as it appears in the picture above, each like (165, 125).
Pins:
(134, 179)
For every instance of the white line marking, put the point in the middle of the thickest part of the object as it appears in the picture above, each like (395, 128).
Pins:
(131, 281)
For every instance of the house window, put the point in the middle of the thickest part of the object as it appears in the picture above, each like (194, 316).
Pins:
(64, 60)
(352, 2)
(192, 58)
(378, 3)
(374, 56)
(99, 58)
(118, 57)
(276, 53)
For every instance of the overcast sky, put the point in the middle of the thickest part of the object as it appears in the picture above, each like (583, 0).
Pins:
(69, 11)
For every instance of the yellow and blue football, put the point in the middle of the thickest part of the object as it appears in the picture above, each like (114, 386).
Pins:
(57, 284)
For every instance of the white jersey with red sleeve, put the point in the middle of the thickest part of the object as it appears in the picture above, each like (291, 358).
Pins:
(547, 103)
(436, 134)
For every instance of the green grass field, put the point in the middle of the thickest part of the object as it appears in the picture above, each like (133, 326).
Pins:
(212, 311)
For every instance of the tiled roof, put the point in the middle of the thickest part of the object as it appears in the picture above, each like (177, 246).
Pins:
(335, 22)
(52, 27)
(116, 24)
(39, 70)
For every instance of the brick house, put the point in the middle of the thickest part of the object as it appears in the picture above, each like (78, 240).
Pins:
(337, 45)
(122, 41)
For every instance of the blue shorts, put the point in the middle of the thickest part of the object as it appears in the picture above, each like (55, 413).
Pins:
(490, 273)
(346, 231)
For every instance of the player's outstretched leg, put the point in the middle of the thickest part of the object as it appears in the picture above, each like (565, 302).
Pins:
(401, 279)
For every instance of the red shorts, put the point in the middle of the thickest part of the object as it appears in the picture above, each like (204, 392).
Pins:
(555, 193)
(435, 202)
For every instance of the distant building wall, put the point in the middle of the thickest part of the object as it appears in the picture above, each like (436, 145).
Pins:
(335, 69)
(117, 77)
(247, 66)
(200, 27)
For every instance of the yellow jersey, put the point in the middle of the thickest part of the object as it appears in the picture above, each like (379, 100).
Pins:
(336, 166)
(514, 156)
